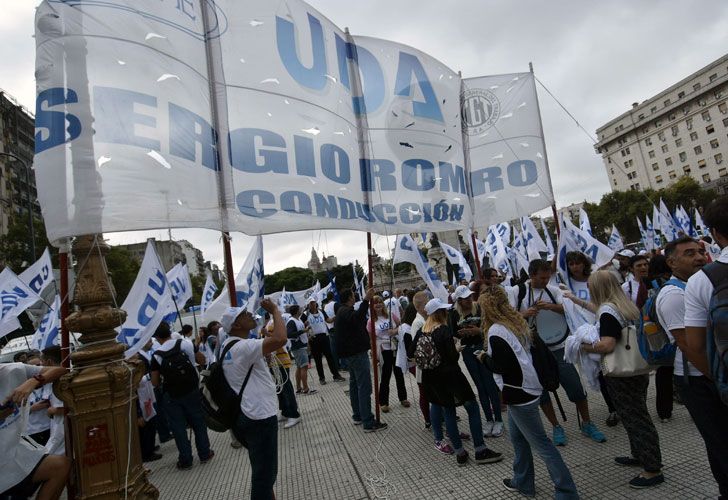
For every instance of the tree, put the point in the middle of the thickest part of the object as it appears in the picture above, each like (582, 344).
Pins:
(15, 245)
(123, 269)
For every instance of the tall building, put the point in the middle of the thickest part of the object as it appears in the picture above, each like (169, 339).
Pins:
(680, 131)
(314, 264)
(193, 257)
(171, 253)
(17, 129)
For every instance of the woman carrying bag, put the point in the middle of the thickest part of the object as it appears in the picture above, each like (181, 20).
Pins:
(627, 376)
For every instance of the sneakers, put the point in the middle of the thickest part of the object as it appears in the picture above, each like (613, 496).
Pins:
(384, 408)
(613, 419)
(627, 461)
(509, 486)
(464, 436)
(236, 444)
(488, 428)
(355, 421)
(405, 403)
(184, 466)
(322, 381)
(462, 458)
(339, 379)
(378, 426)
(497, 429)
(209, 456)
(444, 448)
(590, 430)
(559, 436)
(309, 391)
(487, 456)
(640, 482)
(291, 422)
(281, 418)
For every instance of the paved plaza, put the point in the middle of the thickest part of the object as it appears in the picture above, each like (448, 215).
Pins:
(326, 457)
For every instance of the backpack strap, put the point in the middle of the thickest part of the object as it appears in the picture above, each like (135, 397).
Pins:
(551, 295)
(227, 348)
(521, 295)
(168, 353)
(222, 357)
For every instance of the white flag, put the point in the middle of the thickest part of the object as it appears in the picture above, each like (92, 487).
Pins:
(146, 304)
(208, 293)
(584, 223)
(456, 258)
(405, 250)
(40, 274)
(683, 220)
(615, 240)
(497, 252)
(47, 333)
(700, 224)
(181, 287)
(547, 238)
(534, 243)
(298, 298)
(249, 286)
(15, 297)
(574, 239)
(647, 240)
(668, 226)
(651, 227)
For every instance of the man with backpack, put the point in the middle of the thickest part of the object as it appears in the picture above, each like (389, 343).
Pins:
(173, 367)
(246, 370)
(530, 299)
(706, 335)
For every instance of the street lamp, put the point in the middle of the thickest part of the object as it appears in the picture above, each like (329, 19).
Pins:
(30, 203)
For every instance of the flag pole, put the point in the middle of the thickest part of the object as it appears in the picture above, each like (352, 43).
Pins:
(66, 355)
(475, 254)
(229, 268)
(372, 334)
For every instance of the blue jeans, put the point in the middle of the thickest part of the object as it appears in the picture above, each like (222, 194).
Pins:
(261, 437)
(360, 388)
(451, 424)
(162, 425)
(488, 393)
(180, 412)
(287, 397)
(527, 432)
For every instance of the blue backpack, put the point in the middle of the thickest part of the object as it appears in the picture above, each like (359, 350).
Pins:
(717, 328)
(655, 345)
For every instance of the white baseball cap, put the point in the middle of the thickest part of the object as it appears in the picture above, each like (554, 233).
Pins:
(626, 253)
(385, 294)
(230, 315)
(435, 305)
(462, 292)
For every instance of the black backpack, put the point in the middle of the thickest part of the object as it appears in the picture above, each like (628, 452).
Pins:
(220, 403)
(545, 364)
(178, 372)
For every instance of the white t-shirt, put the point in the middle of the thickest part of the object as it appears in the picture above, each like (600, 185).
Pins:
(330, 314)
(534, 295)
(381, 327)
(580, 289)
(259, 400)
(185, 345)
(531, 384)
(39, 421)
(631, 289)
(697, 296)
(19, 455)
(303, 338)
(176, 336)
(317, 322)
(670, 306)
(56, 444)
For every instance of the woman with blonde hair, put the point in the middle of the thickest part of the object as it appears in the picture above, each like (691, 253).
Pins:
(385, 327)
(508, 343)
(446, 387)
(615, 311)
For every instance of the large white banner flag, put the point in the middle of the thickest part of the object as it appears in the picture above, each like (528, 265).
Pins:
(534, 242)
(615, 239)
(574, 239)
(584, 223)
(299, 298)
(249, 286)
(40, 274)
(146, 304)
(130, 135)
(508, 171)
(208, 293)
(405, 250)
(667, 224)
(47, 333)
(651, 228)
(456, 258)
(684, 223)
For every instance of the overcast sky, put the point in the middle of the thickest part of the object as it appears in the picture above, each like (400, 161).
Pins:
(596, 57)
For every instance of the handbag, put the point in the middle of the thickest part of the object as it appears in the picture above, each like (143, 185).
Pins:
(625, 360)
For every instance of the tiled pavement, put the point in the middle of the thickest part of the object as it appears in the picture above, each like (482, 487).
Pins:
(326, 457)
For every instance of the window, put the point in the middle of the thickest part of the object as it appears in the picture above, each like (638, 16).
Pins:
(648, 141)
(625, 151)
(612, 170)
(706, 177)
(713, 77)
(714, 144)
(626, 164)
(723, 108)
(710, 129)
(672, 174)
(706, 115)
(658, 124)
(668, 161)
(671, 116)
(678, 142)
(683, 156)
(722, 172)
(681, 94)
(689, 123)
(651, 153)
(686, 109)
(701, 163)
(696, 86)
(641, 116)
(686, 169)
(693, 136)
(655, 166)
(718, 158)
(615, 182)
(667, 102)
(609, 160)
(674, 130)
(658, 179)
(698, 150)
(661, 136)
(664, 148)
(653, 109)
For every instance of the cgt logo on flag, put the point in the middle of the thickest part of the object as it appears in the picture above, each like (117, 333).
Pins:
(481, 109)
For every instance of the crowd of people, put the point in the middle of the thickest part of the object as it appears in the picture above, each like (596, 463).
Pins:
(517, 340)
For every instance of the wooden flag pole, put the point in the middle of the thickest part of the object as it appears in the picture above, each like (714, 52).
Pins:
(475, 254)
(228, 254)
(372, 334)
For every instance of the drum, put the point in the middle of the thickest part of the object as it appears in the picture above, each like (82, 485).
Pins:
(551, 327)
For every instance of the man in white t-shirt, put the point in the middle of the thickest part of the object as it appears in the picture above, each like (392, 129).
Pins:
(246, 370)
(24, 463)
(319, 342)
(705, 395)
(530, 299)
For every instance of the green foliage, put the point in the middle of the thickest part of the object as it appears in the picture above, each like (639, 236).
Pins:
(298, 278)
(15, 245)
(621, 208)
(123, 269)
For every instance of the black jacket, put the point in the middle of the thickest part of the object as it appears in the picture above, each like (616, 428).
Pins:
(351, 330)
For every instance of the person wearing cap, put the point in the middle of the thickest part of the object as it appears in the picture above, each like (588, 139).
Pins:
(620, 264)
(447, 387)
(352, 345)
(319, 342)
(464, 321)
(244, 364)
